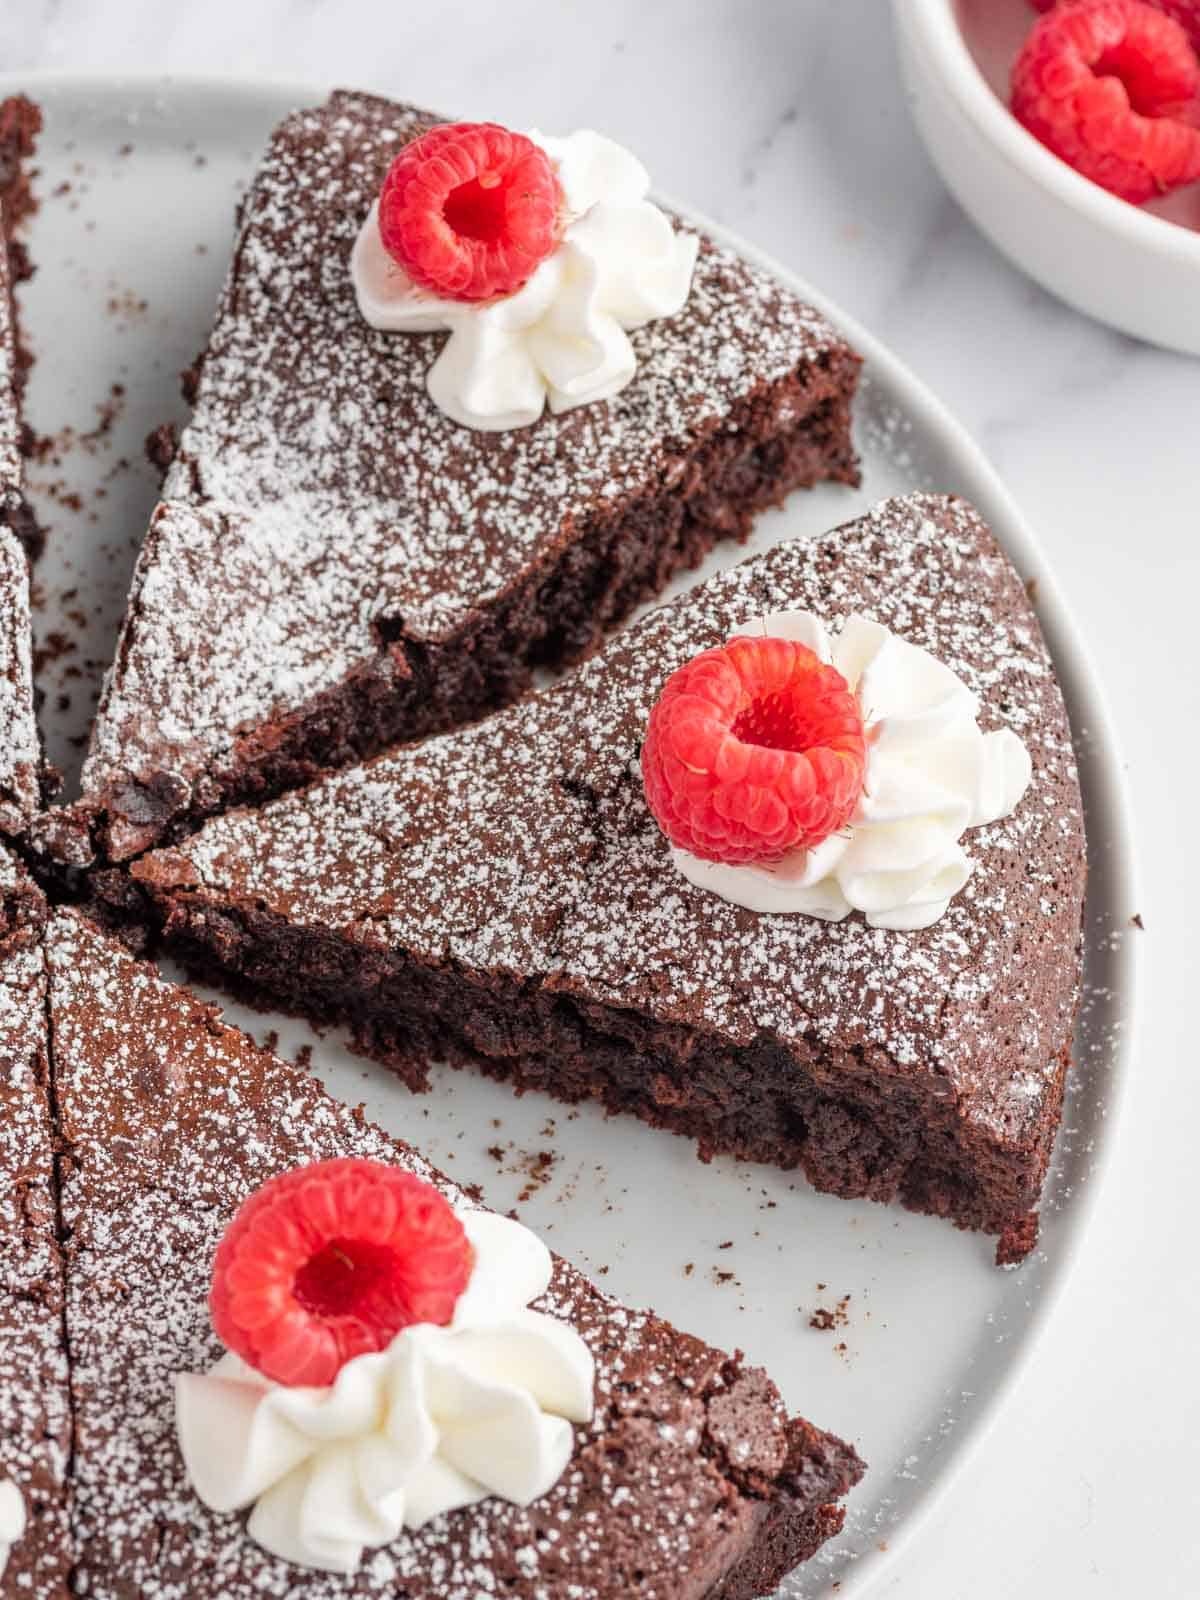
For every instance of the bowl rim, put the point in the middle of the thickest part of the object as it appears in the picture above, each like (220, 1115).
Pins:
(934, 26)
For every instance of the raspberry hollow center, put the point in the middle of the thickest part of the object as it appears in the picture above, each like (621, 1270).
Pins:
(779, 722)
(478, 209)
(346, 1278)
(1141, 78)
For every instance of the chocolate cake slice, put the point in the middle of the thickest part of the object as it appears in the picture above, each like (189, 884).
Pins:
(690, 1481)
(35, 1423)
(21, 773)
(336, 565)
(20, 124)
(502, 897)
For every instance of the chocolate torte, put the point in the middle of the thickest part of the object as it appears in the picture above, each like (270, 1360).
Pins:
(690, 1481)
(35, 1431)
(20, 745)
(502, 897)
(20, 124)
(336, 565)
(22, 771)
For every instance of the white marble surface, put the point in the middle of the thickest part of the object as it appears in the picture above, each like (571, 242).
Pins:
(784, 119)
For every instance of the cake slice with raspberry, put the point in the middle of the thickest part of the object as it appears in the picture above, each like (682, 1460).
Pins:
(855, 951)
(207, 1185)
(470, 397)
(36, 1554)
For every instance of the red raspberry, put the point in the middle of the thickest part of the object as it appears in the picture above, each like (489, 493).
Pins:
(470, 210)
(753, 750)
(1185, 12)
(1105, 84)
(330, 1261)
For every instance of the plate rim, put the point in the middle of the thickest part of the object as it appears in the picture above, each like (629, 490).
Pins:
(1070, 652)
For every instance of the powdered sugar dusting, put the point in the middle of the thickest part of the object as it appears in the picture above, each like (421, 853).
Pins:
(171, 1116)
(34, 1422)
(20, 750)
(10, 422)
(430, 851)
(318, 480)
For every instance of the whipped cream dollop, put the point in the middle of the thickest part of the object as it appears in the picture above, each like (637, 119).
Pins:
(563, 337)
(440, 1419)
(12, 1519)
(931, 774)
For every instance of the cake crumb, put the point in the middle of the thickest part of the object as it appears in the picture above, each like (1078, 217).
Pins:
(825, 1318)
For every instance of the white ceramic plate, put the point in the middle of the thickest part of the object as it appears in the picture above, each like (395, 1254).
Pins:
(130, 257)
(1136, 267)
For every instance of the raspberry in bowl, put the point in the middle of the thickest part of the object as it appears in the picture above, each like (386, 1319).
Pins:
(1039, 191)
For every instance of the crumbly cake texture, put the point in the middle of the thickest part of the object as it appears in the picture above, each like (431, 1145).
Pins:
(20, 124)
(21, 765)
(502, 897)
(35, 1432)
(691, 1483)
(336, 566)
(20, 744)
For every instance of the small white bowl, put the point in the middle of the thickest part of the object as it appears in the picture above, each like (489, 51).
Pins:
(1133, 268)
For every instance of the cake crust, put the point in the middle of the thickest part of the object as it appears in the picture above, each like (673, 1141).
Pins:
(502, 897)
(341, 566)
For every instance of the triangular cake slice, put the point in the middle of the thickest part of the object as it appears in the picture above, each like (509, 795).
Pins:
(35, 1423)
(503, 897)
(690, 1480)
(336, 565)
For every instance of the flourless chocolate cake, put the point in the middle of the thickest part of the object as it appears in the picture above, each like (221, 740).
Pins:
(502, 897)
(21, 765)
(336, 565)
(20, 745)
(35, 1432)
(690, 1480)
(20, 124)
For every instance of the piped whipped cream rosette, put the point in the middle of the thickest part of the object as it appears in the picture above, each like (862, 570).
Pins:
(445, 1386)
(538, 312)
(799, 772)
(12, 1519)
